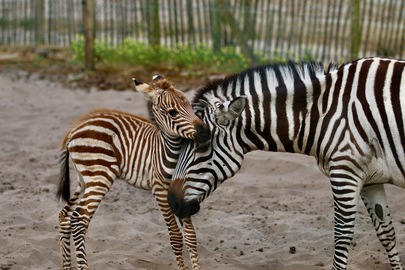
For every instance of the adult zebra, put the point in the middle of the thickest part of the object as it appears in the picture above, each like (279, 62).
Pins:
(107, 144)
(351, 119)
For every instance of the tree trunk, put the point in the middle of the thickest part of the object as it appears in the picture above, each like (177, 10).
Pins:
(88, 23)
(355, 31)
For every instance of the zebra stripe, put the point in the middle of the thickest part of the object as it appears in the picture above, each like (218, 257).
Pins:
(108, 144)
(351, 119)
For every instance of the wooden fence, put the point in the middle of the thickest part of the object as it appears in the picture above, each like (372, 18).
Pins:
(328, 30)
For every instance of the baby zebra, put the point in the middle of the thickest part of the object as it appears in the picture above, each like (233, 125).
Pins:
(108, 144)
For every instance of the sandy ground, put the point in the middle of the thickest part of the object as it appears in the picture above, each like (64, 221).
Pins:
(277, 201)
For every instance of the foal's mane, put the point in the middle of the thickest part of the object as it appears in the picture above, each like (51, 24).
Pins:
(312, 69)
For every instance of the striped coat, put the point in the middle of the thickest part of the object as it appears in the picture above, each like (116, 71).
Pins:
(108, 144)
(351, 119)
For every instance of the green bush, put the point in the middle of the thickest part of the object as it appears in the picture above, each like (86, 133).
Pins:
(195, 59)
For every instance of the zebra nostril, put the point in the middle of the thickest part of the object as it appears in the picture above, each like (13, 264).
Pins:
(181, 208)
(173, 203)
(194, 208)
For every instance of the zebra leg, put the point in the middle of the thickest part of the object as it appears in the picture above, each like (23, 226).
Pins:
(191, 242)
(345, 196)
(176, 237)
(375, 200)
(94, 192)
(65, 229)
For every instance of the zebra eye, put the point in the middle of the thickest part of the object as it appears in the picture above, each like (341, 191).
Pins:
(172, 112)
(199, 114)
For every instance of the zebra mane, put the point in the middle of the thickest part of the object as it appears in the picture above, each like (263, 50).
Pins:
(163, 84)
(332, 67)
(151, 117)
(302, 69)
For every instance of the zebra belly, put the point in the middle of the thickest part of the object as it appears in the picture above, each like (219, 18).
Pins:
(374, 166)
(377, 172)
(384, 173)
(383, 170)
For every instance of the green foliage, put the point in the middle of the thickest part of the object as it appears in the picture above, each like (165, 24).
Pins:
(77, 47)
(197, 59)
(27, 23)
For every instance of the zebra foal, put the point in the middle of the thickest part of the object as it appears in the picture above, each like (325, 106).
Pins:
(108, 144)
(351, 119)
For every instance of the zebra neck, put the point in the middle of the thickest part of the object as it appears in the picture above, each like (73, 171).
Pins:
(165, 153)
(171, 146)
(278, 118)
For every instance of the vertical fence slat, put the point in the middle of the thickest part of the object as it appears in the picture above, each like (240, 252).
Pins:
(328, 40)
(400, 42)
(326, 30)
(3, 22)
(268, 39)
(260, 24)
(367, 21)
(39, 21)
(88, 19)
(176, 23)
(190, 23)
(199, 11)
(355, 31)
(291, 30)
(154, 24)
(70, 21)
(215, 26)
(13, 30)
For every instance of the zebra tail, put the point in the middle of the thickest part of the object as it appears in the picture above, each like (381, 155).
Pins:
(64, 177)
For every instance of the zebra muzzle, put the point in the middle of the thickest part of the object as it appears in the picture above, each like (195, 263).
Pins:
(179, 206)
(203, 133)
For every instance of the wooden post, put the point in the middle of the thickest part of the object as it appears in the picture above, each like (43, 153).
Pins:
(223, 6)
(355, 30)
(39, 22)
(88, 27)
(248, 26)
(190, 24)
(215, 27)
(154, 38)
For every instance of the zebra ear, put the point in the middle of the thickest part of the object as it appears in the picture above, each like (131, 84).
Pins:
(157, 77)
(230, 110)
(144, 88)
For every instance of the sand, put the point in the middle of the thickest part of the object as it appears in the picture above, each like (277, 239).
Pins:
(276, 203)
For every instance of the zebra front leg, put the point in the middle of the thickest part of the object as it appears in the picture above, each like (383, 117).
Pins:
(190, 237)
(345, 196)
(375, 200)
(176, 237)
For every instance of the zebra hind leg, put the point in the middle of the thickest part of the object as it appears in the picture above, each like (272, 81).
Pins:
(94, 192)
(65, 229)
(191, 242)
(375, 200)
(64, 236)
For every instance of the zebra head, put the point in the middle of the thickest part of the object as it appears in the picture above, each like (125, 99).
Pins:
(203, 167)
(172, 111)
